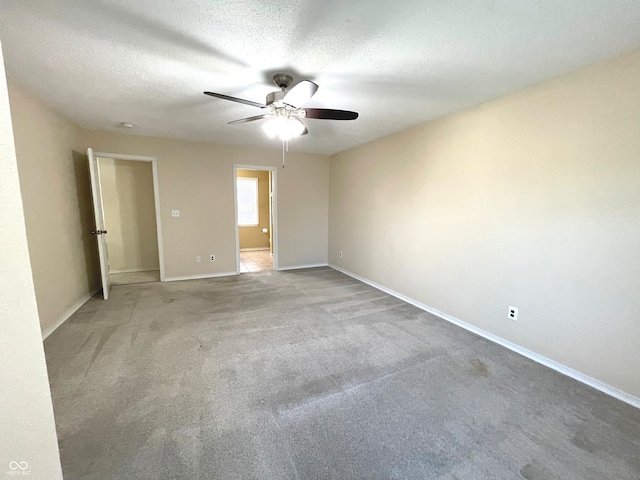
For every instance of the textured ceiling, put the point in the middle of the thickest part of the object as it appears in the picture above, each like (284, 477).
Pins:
(398, 63)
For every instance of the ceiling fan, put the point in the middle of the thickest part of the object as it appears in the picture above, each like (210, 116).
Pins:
(283, 109)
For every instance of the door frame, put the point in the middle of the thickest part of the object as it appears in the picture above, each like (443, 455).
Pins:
(274, 208)
(156, 194)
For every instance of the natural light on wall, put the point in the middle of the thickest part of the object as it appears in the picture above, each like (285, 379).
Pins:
(247, 202)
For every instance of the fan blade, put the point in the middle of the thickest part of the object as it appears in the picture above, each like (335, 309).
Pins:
(235, 99)
(300, 94)
(305, 131)
(329, 114)
(249, 119)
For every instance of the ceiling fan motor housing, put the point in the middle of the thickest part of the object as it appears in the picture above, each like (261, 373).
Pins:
(275, 97)
(282, 80)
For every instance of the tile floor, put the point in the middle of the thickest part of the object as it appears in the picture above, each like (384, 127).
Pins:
(255, 261)
(134, 277)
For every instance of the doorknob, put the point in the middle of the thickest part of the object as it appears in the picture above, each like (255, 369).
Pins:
(98, 232)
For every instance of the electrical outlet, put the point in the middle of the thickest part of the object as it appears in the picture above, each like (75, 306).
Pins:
(198, 259)
(340, 254)
(175, 213)
(512, 313)
(212, 258)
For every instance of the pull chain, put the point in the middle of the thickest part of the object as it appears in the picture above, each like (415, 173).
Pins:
(285, 150)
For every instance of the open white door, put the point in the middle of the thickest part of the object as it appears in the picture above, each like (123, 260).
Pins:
(98, 213)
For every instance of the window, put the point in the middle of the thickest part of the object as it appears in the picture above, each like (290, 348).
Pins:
(247, 202)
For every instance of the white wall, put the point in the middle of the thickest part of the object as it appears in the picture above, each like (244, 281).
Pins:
(531, 200)
(130, 214)
(27, 429)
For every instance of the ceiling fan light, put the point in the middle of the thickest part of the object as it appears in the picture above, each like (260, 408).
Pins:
(283, 127)
(285, 135)
(270, 127)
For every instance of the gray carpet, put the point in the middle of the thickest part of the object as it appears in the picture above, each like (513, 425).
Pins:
(311, 374)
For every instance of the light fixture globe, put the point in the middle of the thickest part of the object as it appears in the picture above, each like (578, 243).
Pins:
(270, 127)
(284, 127)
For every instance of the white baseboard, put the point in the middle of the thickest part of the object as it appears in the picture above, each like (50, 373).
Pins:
(133, 270)
(298, 267)
(558, 367)
(65, 316)
(253, 249)
(199, 277)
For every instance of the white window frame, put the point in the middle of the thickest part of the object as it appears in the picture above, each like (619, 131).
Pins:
(257, 209)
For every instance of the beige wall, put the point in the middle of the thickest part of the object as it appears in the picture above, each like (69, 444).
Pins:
(130, 214)
(27, 429)
(57, 202)
(252, 237)
(197, 179)
(194, 177)
(531, 200)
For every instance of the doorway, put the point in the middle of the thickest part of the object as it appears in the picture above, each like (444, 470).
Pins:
(126, 205)
(255, 206)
